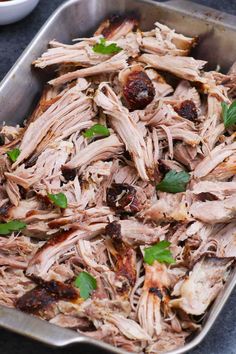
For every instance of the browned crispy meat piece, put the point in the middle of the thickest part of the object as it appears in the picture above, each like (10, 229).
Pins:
(68, 173)
(35, 301)
(4, 210)
(138, 89)
(113, 230)
(187, 109)
(122, 198)
(116, 26)
(44, 294)
(126, 265)
(60, 290)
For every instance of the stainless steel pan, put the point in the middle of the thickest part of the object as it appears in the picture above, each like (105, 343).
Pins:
(22, 86)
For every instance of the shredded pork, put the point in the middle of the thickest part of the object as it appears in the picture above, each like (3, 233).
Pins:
(153, 124)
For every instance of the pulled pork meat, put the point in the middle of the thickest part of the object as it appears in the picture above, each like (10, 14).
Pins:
(126, 152)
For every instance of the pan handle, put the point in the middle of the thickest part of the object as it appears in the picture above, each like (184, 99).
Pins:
(47, 333)
(203, 12)
(35, 328)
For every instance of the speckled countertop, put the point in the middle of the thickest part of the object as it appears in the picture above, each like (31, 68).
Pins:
(13, 40)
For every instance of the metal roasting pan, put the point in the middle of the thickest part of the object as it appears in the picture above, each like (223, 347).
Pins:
(21, 88)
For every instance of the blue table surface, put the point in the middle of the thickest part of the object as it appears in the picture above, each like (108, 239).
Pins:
(13, 40)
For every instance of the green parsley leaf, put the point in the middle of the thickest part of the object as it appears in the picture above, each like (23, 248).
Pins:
(59, 199)
(13, 154)
(86, 284)
(103, 48)
(96, 130)
(174, 182)
(10, 226)
(159, 252)
(229, 114)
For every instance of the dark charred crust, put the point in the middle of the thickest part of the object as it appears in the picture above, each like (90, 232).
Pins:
(138, 90)
(31, 213)
(35, 300)
(162, 168)
(39, 299)
(31, 161)
(127, 155)
(57, 238)
(122, 198)
(187, 109)
(156, 292)
(127, 266)
(206, 196)
(58, 289)
(114, 22)
(55, 224)
(45, 202)
(114, 231)
(2, 139)
(4, 210)
(125, 285)
(68, 173)
(22, 191)
(220, 260)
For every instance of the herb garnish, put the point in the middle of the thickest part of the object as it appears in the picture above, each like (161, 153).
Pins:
(13, 154)
(103, 48)
(229, 114)
(96, 130)
(10, 226)
(86, 284)
(59, 199)
(159, 252)
(174, 182)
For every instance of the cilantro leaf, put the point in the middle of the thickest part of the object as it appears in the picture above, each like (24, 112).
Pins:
(10, 226)
(13, 154)
(59, 199)
(159, 252)
(229, 114)
(86, 284)
(174, 182)
(96, 130)
(103, 48)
